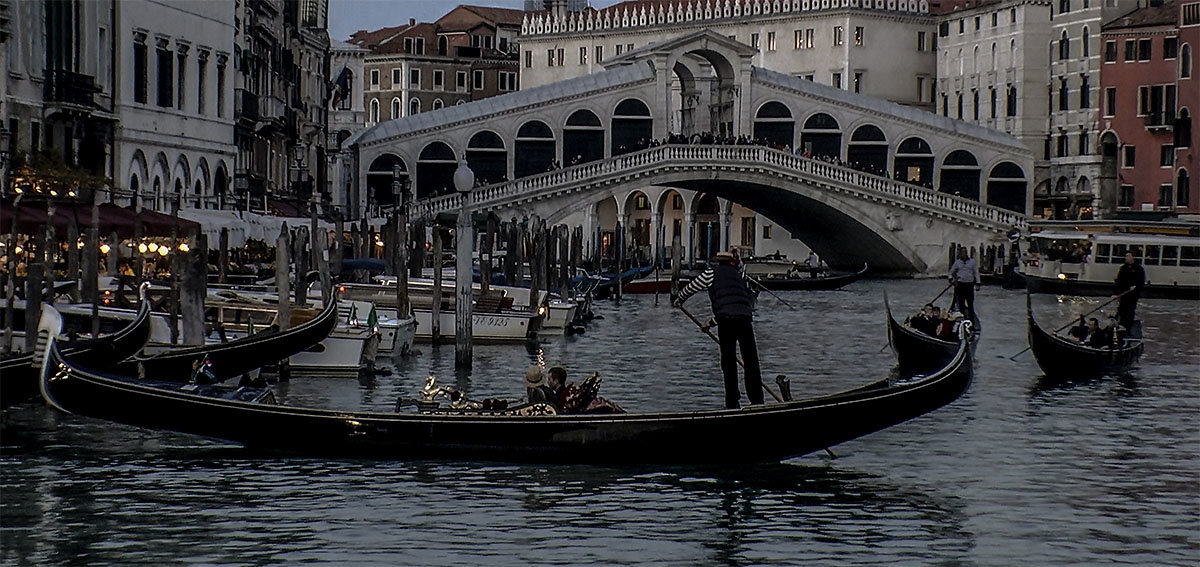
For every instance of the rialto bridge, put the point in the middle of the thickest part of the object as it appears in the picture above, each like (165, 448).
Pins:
(648, 149)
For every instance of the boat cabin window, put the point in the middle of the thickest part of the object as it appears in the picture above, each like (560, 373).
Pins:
(1102, 253)
(1170, 255)
(1189, 256)
(1150, 258)
(1065, 249)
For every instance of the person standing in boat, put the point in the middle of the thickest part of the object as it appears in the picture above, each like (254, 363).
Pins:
(814, 264)
(964, 274)
(1131, 277)
(733, 308)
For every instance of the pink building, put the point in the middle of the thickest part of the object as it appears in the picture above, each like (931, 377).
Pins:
(1149, 92)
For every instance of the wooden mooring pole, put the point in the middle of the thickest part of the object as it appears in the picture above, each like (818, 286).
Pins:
(192, 267)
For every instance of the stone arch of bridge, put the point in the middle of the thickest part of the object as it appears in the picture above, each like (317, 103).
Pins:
(835, 227)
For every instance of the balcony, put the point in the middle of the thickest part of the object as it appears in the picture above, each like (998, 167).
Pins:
(1159, 120)
(245, 105)
(70, 88)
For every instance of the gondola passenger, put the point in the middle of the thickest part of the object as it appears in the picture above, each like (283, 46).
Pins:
(1080, 332)
(537, 389)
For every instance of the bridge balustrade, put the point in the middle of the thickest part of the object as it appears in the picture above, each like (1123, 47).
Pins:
(535, 187)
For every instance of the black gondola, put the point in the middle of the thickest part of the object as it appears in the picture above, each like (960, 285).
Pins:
(19, 373)
(781, 282)
(917, 352)
(763, 433)
(239, 356)
(1064, 359)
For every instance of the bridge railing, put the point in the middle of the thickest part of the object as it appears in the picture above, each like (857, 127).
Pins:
(533, 187)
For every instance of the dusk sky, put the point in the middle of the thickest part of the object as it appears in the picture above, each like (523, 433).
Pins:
(349, 16)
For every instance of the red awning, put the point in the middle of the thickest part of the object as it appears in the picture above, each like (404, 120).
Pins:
(112, 218)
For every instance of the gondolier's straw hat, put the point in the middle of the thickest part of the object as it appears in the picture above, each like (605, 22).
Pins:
(534, 377)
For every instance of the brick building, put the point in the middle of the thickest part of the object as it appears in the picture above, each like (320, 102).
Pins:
(1149, 92)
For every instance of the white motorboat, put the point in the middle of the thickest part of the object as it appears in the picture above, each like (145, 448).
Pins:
(492, 321)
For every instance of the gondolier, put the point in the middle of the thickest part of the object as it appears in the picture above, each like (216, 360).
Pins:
(733, 308)
(964, 274)
(1131, 278)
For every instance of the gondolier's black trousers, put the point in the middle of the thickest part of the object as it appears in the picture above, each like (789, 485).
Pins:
(732, 331)
(964, 299)
(1127, 309)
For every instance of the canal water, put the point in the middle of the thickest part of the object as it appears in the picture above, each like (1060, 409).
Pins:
(1014, 473)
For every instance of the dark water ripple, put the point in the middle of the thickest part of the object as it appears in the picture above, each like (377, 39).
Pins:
(1014, 473)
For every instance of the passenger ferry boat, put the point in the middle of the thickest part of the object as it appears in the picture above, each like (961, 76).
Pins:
(1082, 257)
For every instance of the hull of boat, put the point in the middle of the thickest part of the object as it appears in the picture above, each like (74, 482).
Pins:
(346, 352)
(712, 436)
(1037, 284)
(918, 353)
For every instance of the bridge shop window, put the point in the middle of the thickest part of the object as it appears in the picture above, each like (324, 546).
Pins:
(913, 162)
(868, 150)
(774, 124)
(534, 150)
(1007, 187)
(380, 176)
(583, 138)
(821, 137)
(960, 175)
(435, 170)
(632, 126)
(488, 158)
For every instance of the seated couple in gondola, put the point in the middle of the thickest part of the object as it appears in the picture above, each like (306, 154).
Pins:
(551, 387)
(931, 322)
(1090, 333)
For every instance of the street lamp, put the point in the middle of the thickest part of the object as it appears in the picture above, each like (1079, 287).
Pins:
(400, 214)
(464, 181)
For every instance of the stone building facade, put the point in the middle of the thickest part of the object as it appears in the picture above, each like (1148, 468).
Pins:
(174, 142)
(880, 48)
(281, 104)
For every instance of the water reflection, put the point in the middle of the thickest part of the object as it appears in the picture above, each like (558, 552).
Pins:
(1017, 472)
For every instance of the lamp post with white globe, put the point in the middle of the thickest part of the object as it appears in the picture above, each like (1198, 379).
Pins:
(464, 239)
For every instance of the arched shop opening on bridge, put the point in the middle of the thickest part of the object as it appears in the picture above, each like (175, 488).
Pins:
(379, 179)
(774, 125)
(913, 162)
(534, 149)
(435, 170)
(1007, 187)
(487, 157)
(960, 175)
(821, 137)
(868, 150)
(583, 138)
(632, 126)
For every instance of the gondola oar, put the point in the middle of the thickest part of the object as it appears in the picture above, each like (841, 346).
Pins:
(773, 294)
(718, 341)
(1099, 307)
(939, 296)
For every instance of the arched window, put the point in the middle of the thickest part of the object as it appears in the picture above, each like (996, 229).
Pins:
(380, 175)
(1007, 187)
(435, 170)
(443, 45)
(534, 150)
(1012, 50)
(913, 162)
(1185, 62)
(868, 150)
(993, 56)
(1085, 40)
(975, 60)
(414, 106)
(583, 138)
(821, 136)
(960, 62)
(1064, 46)
(960, 175)
(437, 103)
(374, 110)
(632, 126)
(487, 157)
(774, 123)
(395, 108)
